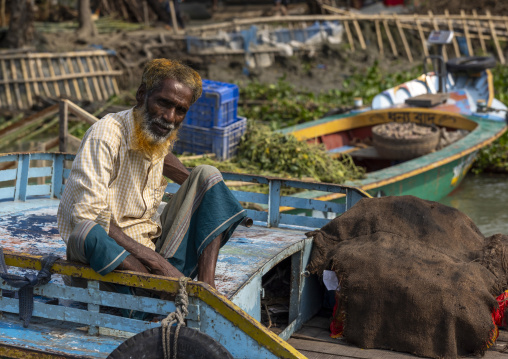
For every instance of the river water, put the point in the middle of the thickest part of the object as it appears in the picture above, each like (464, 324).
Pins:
(484, 199)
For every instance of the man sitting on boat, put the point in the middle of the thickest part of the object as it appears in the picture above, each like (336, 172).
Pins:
(108, 212)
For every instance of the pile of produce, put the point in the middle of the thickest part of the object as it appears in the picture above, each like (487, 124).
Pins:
(262, 151)
(405, 130)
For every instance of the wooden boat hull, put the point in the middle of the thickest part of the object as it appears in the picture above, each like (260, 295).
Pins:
(432, 176)
(72, 325)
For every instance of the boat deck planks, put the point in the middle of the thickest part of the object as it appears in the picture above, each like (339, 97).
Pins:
(31, 227)
(313, 340)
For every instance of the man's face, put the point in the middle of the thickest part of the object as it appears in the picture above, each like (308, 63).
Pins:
(164, 109)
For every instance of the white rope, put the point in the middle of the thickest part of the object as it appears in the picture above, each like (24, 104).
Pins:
(178, 316)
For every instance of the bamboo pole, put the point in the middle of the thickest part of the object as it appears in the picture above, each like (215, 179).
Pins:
(480, 31)
(41, 74)
(2, 13)
(16, 85)
(61, 77)
(85, 79)
(104, 67)
(390, 38)
(454, 40)
(496, 42)
(422, 36)
(466, 33)
(349, 36)
(7, 85)
(95, 83)
(39, 116)
(298, 18)
(27, 84)
(33, 75)
(404, 40)
(360, 34)
(74, 80)
(102, 82)
(82, 114)
(56, 86)
(379, 38)
(63, 123)
(66, 81)
(173, 16)
(113, 80)
(471, 35)
(436, 27)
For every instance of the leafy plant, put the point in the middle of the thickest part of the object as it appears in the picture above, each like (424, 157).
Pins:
(263, 151)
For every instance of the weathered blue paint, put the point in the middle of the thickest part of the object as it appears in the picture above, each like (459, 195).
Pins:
(63, 339)
(28, 225)
(240, 345)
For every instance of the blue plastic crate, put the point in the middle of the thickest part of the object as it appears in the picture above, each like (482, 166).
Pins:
(221, 141)
(217, 106)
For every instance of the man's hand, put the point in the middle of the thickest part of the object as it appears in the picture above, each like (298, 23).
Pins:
(141, 256)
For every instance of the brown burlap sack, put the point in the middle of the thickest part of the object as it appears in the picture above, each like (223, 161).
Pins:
(417, 276)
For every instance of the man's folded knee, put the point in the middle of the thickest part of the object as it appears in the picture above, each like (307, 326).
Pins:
(205, 170)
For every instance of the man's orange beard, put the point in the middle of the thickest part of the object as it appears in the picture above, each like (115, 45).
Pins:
(146, 142)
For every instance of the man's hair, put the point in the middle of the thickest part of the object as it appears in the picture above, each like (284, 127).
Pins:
(158, 70)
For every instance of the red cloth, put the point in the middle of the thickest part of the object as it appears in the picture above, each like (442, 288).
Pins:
(337, 323)
(498, 313)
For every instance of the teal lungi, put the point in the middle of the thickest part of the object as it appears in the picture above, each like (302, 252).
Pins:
(202, 209)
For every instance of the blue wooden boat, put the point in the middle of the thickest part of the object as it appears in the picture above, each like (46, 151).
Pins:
(70, 322)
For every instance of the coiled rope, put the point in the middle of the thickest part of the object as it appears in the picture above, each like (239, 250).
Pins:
(178, 316)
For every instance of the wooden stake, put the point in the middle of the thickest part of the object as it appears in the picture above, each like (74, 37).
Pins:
(65, 82)
(145, 14)
(101, 78)
(2, 14)
(74, 81)
(422, 36)
(404, 40)
(33, 75)
(64, 122)
(27, 82)
(390, 38)
(16, 85)
(113, 80)
(466, 33)
(379, 38)
(480, 32)
(494, 37)
(436, 27)
(173, 17)
(41, 75)
(349, 36)
(450, 27)
(360, 34)
(85, 80)
(97, 89)
(56, 86)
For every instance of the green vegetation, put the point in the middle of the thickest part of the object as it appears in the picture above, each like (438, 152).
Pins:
(281, 104)
(494, 158)
(265, 152)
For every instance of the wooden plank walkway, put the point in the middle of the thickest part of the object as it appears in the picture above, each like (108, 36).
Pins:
(314, 341)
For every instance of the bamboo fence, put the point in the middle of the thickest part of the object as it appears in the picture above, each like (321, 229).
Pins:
(81, 75)
(481, 32)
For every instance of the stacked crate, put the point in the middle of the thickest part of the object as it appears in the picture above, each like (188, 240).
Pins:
(212, 124)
